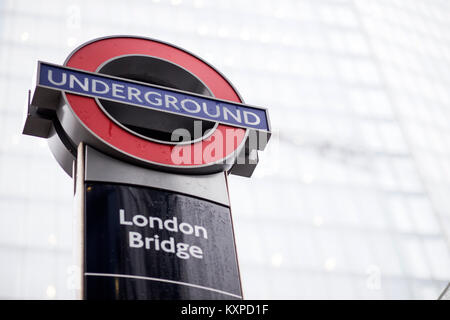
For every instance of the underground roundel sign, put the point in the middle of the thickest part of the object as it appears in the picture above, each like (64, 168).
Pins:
(145, 102)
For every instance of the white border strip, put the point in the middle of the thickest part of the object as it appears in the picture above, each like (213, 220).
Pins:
(161, 280)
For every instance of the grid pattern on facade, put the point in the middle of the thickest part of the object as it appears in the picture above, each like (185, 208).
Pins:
(350, 199)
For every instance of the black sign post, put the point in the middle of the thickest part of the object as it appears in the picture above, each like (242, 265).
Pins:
(149, 242)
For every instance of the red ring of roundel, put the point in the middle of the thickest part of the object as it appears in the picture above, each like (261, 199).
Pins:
(92, 55)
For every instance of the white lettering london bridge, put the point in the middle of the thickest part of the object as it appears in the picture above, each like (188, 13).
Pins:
(180, 249)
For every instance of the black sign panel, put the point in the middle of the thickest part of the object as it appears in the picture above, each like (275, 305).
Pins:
(145, 243)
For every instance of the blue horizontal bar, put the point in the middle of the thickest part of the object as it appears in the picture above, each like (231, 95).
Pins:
(152, 97)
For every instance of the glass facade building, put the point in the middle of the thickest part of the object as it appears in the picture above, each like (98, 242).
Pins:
(351, 199)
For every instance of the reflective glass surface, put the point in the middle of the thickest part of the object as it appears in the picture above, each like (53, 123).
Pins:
(350, 198)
